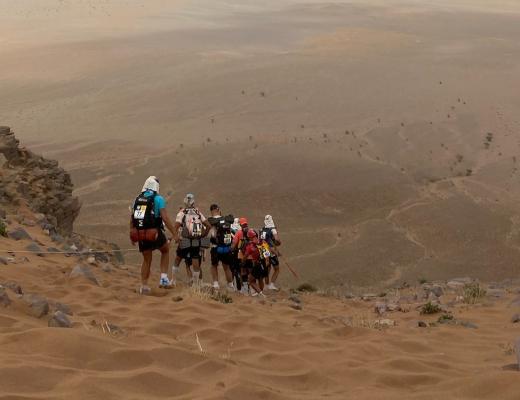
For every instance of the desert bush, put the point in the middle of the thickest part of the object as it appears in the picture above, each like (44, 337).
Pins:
(430, 308)
(445, 318)
(473, 292)
(221, 297)
(306, 287)
(3, 228)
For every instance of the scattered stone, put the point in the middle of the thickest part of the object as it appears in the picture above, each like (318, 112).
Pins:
(107, 268)
(380, 308)
(83, 271)
(385, 323)
(393, 307)
(4, 298)
(38, 305)
(515, 302)
(15, 287)
(57, 238)
(296, 306)
(19, 234)
(467, 324)
(177, 299)
(91, 260)
(53, 250)
(515, 318)
(28, 222)
(295, 299)
(60, 320)
(3, 261)
(34, 248)
(64, 308)
(422, 324)
(497, 293)
(369, 296)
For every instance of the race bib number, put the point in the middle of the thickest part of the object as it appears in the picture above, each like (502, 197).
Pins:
(196, 229)
(140, 212)
(228, 238)
(263, 235)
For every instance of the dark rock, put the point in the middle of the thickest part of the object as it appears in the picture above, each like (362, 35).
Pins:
(3, 261)
(497, 293)
(15, 287)
(38, 305)
(177, 299)
(60, 320)
(106, 268)
(295, 299)
(467, 324)
(53, 250)
(34, 248)
(4, 298)
(64, 308)
(83, 271)
(515, 318)
(56, 238)
(3, 214)
(296, 306)
(19, 234)
(101, 257)
(422, 324)
(437, 290)
(380, 308)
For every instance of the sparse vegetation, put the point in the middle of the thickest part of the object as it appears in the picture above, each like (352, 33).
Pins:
(223, 298)
(445, 318)
(469, 172)
(306, 287)
(430, 308)
(3, 228)
(422, 281)
(473, 292)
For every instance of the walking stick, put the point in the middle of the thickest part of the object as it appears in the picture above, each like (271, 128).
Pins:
(290, 269)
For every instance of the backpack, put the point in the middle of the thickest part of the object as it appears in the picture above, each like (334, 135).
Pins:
(264, 249)
(222, 225)
(191, 224)
(244, 240)
(144, 221)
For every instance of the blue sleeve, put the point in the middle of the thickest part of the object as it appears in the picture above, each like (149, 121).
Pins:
(160, 203)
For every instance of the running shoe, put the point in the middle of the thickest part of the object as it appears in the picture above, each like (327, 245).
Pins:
(165, 283)
(271, 286)
(144, 290)
(231, 287)
(216, 285)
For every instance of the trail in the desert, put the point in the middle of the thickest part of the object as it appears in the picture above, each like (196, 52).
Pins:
(383, 136)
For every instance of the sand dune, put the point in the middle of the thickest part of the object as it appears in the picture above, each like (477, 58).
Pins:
(332, 348)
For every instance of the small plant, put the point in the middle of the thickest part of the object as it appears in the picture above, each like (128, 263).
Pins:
(3, 228)
(445, 318)
(306, 287)
(430, 308)
(221, 297)
(422, 281)
(473, 292)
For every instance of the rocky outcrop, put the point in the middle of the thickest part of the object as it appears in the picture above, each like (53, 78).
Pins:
(45, 186)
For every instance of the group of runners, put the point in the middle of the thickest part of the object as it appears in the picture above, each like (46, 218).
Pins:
(249, 257)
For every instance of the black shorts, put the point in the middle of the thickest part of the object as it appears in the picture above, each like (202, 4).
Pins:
(186, 259)
(257, 269)
(155, 245)
(191, 253)
(275, 262)
(224, 258)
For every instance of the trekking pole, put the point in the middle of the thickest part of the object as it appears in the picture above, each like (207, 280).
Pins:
(290, 269)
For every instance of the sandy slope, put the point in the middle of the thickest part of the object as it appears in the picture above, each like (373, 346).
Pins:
(250, 349)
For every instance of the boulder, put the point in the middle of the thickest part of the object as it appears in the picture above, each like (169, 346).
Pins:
(19, 234)
(4, 298)
(84, 272)
(34, 248)
(60, 320)
(15, 287)
(64, 308)
(38, 306)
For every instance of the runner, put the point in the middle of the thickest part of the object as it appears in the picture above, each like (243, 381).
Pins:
(221, 239)
(269, 234)
(239, 242)
(235, 262)
(147, 222)
(179, 256)
(193, 227)
(255, 268)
